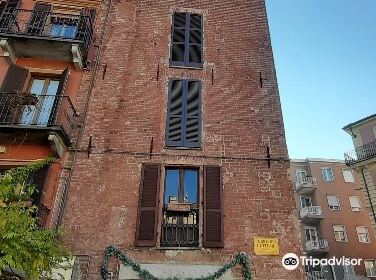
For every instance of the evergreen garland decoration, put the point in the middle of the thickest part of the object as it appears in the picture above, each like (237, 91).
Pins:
(240, 258)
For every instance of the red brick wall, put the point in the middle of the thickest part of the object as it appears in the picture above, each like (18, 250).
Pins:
(128, 108)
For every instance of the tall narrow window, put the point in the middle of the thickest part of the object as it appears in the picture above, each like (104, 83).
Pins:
(340, 233)
(362, 233)
(180, 214)
(183, 128)
(355, 203)
(327, 174)
(186, 40)
(370, 266)
(333, 202)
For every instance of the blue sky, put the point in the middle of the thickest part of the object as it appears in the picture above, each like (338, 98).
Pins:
(325, 56)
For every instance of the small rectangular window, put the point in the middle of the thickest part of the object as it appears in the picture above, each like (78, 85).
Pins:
(186, 40)
(355, 203)
(340, 233)
(327, 174)
(348, 175)
(333, 202)
(370, 266)
(362, 233)
(183, 128)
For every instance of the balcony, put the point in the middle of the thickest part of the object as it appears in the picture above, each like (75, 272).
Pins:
(180, 229)
(43, 34)
(305, 185)
(40, 117)
(317, 247)
(311, 214)
(360, 154)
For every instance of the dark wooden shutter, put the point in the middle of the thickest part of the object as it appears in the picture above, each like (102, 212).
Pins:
(38, 178)
(146, 233)
(174, 126)
(192, 122)
(85, 27)
(195, 40)
(38, 18)
(213, 216)
(15, 79)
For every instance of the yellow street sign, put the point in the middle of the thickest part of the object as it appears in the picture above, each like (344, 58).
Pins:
(266, 246)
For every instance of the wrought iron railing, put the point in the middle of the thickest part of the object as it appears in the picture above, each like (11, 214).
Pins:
(27, 110)
(180, 229)
(46, 24)
(311, 210)
(361, 153)
(317, 244)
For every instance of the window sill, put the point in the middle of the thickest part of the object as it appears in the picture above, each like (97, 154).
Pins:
(178, 248)
(187, 67)
(183, 148)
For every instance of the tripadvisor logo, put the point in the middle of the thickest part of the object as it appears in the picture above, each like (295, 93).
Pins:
(291, 261)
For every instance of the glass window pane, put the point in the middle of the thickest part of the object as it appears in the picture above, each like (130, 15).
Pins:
(178, 52)
(190, 186)
(195, 21)
(69, 31)
(171, 185)
(37, 86)
(195, 53)
(179, 19)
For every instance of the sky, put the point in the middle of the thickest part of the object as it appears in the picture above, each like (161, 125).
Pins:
(325, 56)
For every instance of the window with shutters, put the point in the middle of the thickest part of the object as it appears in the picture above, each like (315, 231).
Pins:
(370, 266)
(183, 127)
(180, 211)
(181, 207)
(355, 203)
(333, 202)
(186, 40)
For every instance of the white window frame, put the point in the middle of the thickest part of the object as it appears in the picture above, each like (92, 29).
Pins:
(300, 200)
(322, 174)
(354, 208)
(371, 272)
(344, 233)
(298, 172)
(352, 175)
(363, 237)
(333, 207)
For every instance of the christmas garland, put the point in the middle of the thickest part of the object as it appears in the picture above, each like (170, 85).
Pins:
(240, 258)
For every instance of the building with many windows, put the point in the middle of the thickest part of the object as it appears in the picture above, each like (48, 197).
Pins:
(45, 49)
(363, 159)
(181, 161)
(334, 216)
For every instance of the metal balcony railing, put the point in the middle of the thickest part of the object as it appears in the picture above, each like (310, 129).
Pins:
(306, 180)
(38, 111)
(180, 229)
(361, 153)
(44, 24)
(317, 245)
(311, 211)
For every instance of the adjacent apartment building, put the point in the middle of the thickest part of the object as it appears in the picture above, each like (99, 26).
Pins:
(181, 158)
(334, 217)
(363, 158)
(44, 51)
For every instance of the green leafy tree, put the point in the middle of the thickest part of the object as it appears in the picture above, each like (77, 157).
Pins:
(25, 248)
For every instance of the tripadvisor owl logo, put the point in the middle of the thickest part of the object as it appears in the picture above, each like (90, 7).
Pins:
(290, 261)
